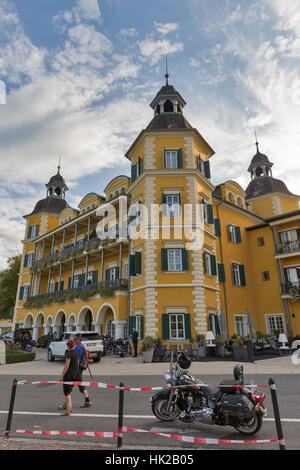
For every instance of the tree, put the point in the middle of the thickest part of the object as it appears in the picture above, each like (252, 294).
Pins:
(8, 287)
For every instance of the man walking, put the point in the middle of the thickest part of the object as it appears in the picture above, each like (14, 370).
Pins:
(79, 348)
(135, 340)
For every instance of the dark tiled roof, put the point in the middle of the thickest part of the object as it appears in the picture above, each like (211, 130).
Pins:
(51, 204)
(169, 121)
(167, 90)
(57, 179)
(265, 185)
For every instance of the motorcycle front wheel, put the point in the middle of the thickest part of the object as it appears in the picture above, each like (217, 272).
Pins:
(160, 410)
(253, 427)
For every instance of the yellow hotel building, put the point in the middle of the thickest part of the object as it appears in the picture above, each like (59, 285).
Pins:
(80, 268)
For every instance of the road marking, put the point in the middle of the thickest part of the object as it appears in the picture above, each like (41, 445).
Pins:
(96, 415)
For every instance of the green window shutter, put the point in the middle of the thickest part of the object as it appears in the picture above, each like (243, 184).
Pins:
(204, 263)
(211, 322)
(165, 326)
(142, 325)
(132, 265)
(139, 164)
(185, 259)
(107, 274)
(200, 163)
(133, 172)
(131, 324)
(217, 226)
(56, 287)
(21, 296)
(81, 280)
(210, 215)
(238, 234)
(207, 169)
(138, 262)
(164, 202)
(26, 261)
(164, 259)
(217, 325)
(165, 166)
(29, 232)
(242, 275)
(213, 265)
(62, 285)
(69, 282)
(221, 272)
(179, 158)
(95, 277)
(298, 233)
(187, 326)
(117, 272)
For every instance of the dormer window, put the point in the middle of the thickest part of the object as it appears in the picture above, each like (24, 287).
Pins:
(168, 107)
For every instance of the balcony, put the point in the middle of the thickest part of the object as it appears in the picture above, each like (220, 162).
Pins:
(287, 248)
(105, 289)
(290, 289)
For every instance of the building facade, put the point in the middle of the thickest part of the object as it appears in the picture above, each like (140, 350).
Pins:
(165, 250)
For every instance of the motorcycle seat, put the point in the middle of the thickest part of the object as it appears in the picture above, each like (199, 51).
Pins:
(212, 392)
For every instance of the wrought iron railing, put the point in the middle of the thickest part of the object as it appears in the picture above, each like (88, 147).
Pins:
(287, 247)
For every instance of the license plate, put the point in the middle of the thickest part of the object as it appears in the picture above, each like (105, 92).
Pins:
(92, 344)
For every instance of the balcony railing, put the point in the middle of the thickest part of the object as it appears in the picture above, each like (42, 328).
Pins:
(117, 284)
(286, 287)
(287, 247)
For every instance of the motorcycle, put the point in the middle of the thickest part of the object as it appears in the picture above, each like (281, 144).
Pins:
(107, 345)
(189, 400)
(121, 348)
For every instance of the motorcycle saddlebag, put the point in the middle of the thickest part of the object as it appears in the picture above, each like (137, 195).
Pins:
(237, 407)
(229, 389)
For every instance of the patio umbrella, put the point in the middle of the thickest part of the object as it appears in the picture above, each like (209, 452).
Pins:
(222, 323)
(250, 323)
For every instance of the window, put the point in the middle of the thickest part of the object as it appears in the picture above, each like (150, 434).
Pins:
(265, 276)
(241, 326)
(172, 159)
(177, 326)
(126, 271)
(240, 202)
(174, 259)
(230, 197)
(110, 328)
(207, 212)
(260, 241)
(204, 167)
(24, 292)
(135, 261)
(210, 266)
(275, 324)
(288, 235)
(234, 234)
(136, 170)
(113, 274)
(139, 325)
(173, 205)
(292, 276)
(238, 274)
(32, 231)
(28, 260)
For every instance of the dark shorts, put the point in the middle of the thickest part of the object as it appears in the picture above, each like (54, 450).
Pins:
(67, 389)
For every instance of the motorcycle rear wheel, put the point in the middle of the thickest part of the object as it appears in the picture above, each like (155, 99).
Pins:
(160, 410)
(253, 427)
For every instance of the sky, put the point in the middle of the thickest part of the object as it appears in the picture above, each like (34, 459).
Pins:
(79, 77)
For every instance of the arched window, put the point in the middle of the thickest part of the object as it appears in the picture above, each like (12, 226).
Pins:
(110, 328)
(230, 197)
(240, 201)
(168, 107)
(58, 191)
(258, 171)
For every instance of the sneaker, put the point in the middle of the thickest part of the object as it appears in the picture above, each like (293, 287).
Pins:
(86, 404)
(63, 407)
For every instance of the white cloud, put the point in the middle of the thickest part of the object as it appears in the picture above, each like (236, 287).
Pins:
(153, 50)
(165, 28)
(129, 32)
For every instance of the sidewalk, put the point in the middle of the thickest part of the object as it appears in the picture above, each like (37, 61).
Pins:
(112, 365)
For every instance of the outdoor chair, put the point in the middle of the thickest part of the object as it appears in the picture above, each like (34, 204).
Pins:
(273, 345)
(160, 353)
(188, 351)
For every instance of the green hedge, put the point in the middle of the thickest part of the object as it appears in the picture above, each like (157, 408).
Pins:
(19, 356)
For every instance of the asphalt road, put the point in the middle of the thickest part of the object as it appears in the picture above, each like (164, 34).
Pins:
(36, 408)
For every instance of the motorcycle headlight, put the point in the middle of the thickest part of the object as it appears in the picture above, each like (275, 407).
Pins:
(167, 377)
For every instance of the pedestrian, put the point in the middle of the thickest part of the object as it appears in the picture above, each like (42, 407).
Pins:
(54, 336)
(135, 340)
(79, 348)
(49, 338)
(70, 373)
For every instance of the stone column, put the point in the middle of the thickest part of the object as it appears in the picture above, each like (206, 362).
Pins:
(119, 328)
(97, 327)
(35, 334)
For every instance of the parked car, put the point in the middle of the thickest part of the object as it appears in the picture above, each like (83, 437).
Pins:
(90, 340)
(23, 337)
(8, 337)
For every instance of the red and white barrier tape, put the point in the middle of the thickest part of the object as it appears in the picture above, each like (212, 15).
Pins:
(190, 439)
(133, 389)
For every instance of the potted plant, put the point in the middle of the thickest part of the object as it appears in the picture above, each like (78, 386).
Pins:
(148, 348)
(220, 345)
(200, 345)
(239, 350)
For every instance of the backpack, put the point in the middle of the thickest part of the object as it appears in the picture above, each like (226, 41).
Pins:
(84, 362)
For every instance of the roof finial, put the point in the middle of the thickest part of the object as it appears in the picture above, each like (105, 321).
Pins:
(59, 162)
(167, 75)
(256, 143)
